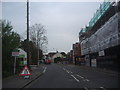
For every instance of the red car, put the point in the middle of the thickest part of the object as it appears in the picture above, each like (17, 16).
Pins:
(48, 61)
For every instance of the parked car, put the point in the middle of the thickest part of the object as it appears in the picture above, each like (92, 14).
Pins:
(48, 61)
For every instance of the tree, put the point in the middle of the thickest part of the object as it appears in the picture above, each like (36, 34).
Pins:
(57, 59)
(38, 36)
(10, 41)
(33, 51)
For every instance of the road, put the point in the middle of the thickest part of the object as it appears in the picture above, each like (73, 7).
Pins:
(71, 76)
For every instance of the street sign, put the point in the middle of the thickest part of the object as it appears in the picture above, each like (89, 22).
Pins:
(93, 63)
(101, 53)
(15, 53)
(25, 72)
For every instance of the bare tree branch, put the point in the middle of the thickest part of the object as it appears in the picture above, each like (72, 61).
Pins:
(38, 36)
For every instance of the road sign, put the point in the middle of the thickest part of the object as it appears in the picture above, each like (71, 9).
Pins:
(102, 53)
(93, 63)
(15, 53)
(25, 72)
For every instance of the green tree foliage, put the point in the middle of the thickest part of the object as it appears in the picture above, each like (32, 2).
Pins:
(57, 59)
(33, 51)
(10, 41)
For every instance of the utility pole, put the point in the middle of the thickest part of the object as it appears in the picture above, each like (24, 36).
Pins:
(38, 51)
(28, 34)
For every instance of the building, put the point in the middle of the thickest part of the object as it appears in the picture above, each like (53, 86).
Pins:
(76, 53)
(54, 55)
(100, 40)
(70, 56)
(50, 55)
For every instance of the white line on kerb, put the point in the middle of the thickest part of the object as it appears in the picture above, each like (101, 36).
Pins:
(44, 69)
(75, 78)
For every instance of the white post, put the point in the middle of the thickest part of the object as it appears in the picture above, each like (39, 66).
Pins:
(15, 65)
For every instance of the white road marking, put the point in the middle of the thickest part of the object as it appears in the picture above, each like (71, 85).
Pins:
(64, 69)
(80, 76)
(103, 88)
(83, 78)
(87, 80)
(75, 78)
(85, 88)
(67, 71)
(44, 69)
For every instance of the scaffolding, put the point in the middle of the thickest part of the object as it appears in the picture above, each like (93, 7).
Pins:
(104, 7)
(105, 37)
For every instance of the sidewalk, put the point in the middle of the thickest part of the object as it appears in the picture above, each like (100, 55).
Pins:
(17, 81)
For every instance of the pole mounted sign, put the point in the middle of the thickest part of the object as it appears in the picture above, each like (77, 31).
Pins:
(15, 53)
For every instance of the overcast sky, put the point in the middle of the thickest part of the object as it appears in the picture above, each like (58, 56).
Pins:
(62, 20)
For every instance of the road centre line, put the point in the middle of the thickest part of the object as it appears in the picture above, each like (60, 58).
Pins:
(80, 76)
(67, 71)
(75, 78)
(83, 78)
(103, 88)
(64, 69)
(87, 80)
(85, 88)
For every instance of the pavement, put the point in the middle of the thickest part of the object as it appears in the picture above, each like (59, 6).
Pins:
(17, 81)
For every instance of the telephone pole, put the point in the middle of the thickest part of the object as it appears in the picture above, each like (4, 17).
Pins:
(28, 59)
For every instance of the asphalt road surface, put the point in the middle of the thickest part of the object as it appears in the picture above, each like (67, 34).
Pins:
(71, 76)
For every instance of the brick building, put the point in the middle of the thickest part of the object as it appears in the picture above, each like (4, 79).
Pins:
(76, 53)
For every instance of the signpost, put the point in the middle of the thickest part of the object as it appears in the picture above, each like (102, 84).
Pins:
(15, 53)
